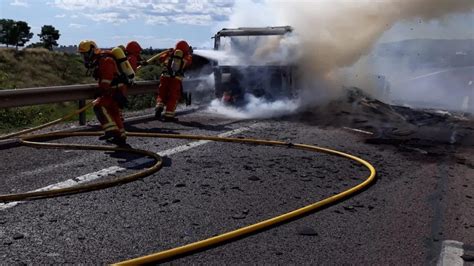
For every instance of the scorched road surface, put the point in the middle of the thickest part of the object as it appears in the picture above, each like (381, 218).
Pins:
(208, 188)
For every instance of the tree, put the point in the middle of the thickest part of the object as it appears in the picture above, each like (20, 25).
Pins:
(49, 35)
(22, 34)
(14, 32)
(6, 27)
(35, 45)
(2, 31)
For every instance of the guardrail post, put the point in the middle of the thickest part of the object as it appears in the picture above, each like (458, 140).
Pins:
(82, 116)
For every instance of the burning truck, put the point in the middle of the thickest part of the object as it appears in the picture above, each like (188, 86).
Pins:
(262, 61)
(258, 64)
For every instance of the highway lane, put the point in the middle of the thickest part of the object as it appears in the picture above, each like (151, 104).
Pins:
(416, 203)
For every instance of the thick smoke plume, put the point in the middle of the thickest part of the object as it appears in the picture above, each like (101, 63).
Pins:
(332, 35)
(336, 34)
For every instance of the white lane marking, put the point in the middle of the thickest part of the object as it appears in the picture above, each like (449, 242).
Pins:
(358, 130)
(49, 168)
(69, 183)
(202, 142)
(134, 163)
(451, 252)
(69, 163)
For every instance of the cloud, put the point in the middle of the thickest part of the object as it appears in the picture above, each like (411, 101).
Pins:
(76, 26)
(109, 17)
(22, 3)
(143, 37)
(156, 20)
(204, 19)
(144, 40)
(154, 12)
(60, 16)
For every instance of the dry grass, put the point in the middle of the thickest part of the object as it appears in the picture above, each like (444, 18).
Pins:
(39, 67)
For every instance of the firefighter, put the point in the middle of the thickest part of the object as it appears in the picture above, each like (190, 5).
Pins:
(112, 90)
(133, 50)
(169, 91)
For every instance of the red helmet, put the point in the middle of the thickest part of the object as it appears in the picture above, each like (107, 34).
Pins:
(183, 46)
(133, 48)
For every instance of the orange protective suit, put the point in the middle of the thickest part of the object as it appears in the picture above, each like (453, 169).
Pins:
(169, 91)
(112, 91)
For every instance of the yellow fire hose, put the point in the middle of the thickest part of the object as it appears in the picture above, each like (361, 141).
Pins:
(153, 58)
(27, 141)
(87, 106)
(168, 254)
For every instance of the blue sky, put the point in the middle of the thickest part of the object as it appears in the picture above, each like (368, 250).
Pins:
(152, 23)
(160, 23)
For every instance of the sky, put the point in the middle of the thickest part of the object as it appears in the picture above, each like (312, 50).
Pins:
(160, 23)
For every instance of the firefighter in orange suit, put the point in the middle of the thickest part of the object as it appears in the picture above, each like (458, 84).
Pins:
(133, 50)
(174, 62)
(112, 90)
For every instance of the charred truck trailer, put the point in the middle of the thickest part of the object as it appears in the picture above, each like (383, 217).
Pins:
(256, 65)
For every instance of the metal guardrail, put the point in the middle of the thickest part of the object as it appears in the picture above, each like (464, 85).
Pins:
(44, 95)
(55, 94)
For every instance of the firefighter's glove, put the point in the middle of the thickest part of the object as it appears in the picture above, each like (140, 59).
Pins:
(120, 99)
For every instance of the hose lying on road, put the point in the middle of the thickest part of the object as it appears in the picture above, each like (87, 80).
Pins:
(28, 141)
(19, 133)
(168, 254)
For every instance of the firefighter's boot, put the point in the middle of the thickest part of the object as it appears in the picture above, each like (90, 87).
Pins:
(170, 119)
(119, 141)
(107, 135)
(158, 111)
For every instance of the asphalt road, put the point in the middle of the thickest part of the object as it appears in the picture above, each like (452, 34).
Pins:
(418, 201)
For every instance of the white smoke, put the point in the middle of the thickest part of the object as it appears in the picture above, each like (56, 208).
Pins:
(331, 36)
(336, 34)
(223, 57)
(255, 108)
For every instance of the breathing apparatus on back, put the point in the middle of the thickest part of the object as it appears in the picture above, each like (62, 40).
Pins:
(177, 62)
(123, 65)
(91, 55)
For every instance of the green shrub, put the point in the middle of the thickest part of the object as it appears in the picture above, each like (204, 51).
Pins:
(139, 102)
(30, 116)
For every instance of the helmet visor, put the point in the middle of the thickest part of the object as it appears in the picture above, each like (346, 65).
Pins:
(87, 58)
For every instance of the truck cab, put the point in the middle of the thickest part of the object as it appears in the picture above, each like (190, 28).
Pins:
(257, 63)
